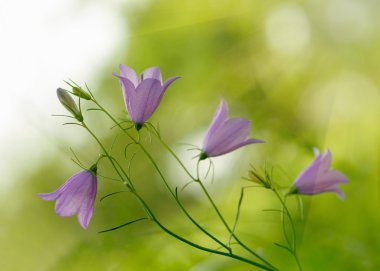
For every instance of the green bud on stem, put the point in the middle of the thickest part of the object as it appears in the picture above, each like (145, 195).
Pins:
(77, 91)
(68, 102)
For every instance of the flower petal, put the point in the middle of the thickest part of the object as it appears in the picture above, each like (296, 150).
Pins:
(76, 192)
(318, 178)
(169, 82)
(142, 94)
(129, 73)
(145, 100)
(152, 73)
(128, 91)
(326, 160)
(242, 144)
(49, 196)
(231, 133)
(87, 208)
(220, 116)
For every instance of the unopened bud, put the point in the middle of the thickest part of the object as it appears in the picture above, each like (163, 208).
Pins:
(255, 177)
(68, 102)
(77, 91)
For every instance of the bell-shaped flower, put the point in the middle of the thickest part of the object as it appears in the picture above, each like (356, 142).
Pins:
(142, 94)
(319, 178)
(76, 195)
(225, 135)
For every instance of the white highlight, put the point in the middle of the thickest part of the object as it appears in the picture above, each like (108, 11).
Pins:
(349, 20)
(287, 29)
(42, 43)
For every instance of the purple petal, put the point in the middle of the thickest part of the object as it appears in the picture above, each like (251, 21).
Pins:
(128, 91)
(87, 207)
(169, 82)
(220, 116)
(152, 73)
(129, 73)
(49, 196)
(145, 100)
(318, 178)
(231, 133)
(339, 193)
(76, 195)
(329, 179)
(71, 199)
(242, 144)
(326, 160)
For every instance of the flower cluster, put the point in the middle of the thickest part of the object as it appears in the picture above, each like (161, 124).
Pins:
(142, 95)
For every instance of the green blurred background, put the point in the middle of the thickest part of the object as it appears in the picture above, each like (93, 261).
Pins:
(305, 72)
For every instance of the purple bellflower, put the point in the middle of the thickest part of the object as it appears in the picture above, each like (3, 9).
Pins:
(225, 135)
(142, 94)
(319, 178)
(76, 195)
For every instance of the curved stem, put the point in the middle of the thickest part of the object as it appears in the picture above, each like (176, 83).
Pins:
(105, 152)
(163, 178)
(231, 255)
(271, 267)
(175, 157)
(227, 226)
(178, 201)
(211, 201)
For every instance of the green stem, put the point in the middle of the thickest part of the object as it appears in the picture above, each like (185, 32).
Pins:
(182, 207)
(212, 203)
(228, 227)
(178, 201)
(237, 215)
(152, 216)
(164, 180)
(106, 153)
(292, 246)
(230, 255)
(175, 157)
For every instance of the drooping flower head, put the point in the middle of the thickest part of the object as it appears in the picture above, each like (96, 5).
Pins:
(225, 135)
(142, 94)
(319, 178)
(76, 195)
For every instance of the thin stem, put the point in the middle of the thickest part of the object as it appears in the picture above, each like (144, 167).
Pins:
(271, 267)
(228, 227)
(103, 148)
(178, 201)
(293, 245)
(209, 198)
(163, 178)
(175, 156)
(231, 255)
(237, 215)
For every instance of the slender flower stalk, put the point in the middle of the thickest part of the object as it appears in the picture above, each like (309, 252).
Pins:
(270, 266)
(225, 135)
(142, 94)
(127, 181)
(76, 195)
(319, 178)
(265, 181)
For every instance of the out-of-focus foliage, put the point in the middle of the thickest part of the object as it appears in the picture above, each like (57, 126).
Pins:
(306, 74)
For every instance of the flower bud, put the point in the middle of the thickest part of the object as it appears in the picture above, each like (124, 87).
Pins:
(256, 177)
(68, 102)
(77, 91)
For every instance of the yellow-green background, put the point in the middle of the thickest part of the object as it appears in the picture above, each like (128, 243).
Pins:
(326, 95)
